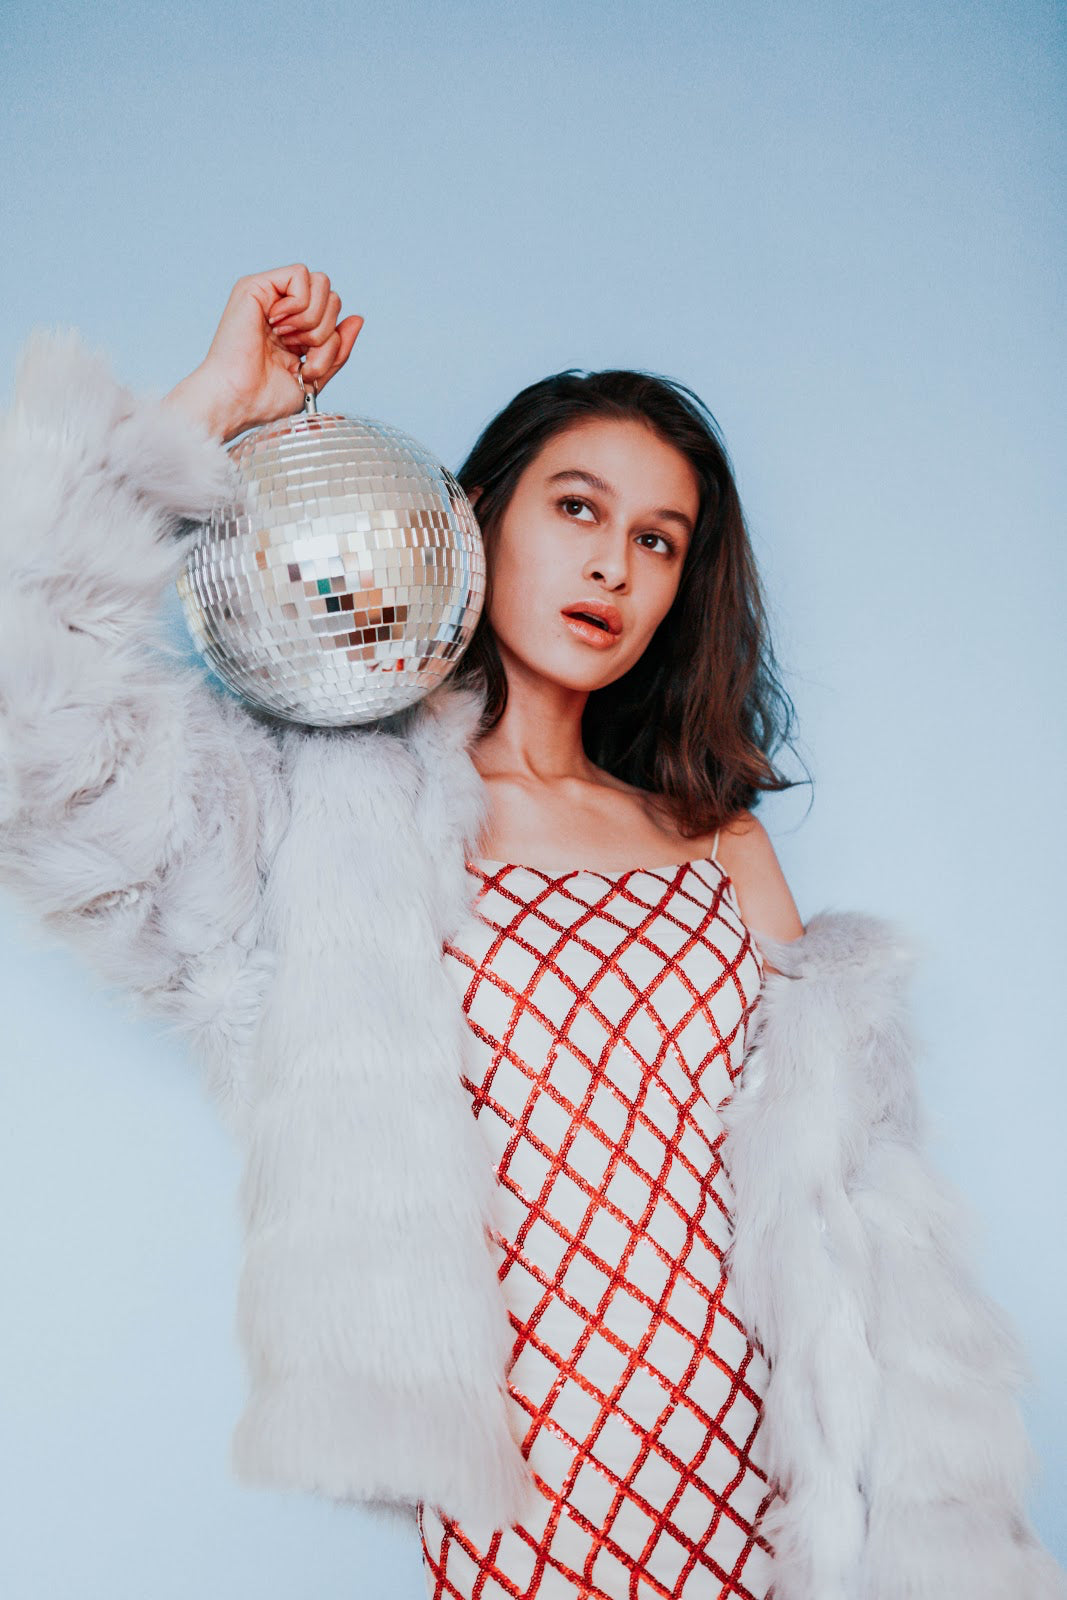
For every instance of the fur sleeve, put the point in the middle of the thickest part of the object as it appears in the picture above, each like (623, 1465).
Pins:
(892, 1413)
(137, 805)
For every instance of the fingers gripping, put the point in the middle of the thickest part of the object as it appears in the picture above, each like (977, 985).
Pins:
(305, 321)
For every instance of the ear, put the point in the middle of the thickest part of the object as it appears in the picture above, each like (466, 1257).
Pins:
(473, 495)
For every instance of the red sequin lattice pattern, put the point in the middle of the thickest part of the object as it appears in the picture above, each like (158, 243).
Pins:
(609, 1014)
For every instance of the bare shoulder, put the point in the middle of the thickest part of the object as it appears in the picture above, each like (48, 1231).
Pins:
(763, 895)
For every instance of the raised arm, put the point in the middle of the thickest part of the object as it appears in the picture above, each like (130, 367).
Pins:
(139, 806)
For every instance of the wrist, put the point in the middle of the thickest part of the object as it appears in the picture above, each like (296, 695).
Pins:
(197, 397)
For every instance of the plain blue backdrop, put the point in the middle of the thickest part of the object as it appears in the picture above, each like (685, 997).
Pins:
(841, 225)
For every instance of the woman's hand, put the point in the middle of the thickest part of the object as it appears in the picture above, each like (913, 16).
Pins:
(271, 320)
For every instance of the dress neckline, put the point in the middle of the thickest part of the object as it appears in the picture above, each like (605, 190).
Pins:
(597, 872)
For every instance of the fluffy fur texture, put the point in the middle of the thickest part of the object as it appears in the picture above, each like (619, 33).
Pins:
(369, 1302)
(282, 897)
(138, 809)
(890, 1418)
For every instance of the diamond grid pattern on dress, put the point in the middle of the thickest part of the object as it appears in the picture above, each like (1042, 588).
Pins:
(610, 1012)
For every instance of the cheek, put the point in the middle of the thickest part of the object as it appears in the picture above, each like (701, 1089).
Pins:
(526, 581)
(504, 588)
(502, 611)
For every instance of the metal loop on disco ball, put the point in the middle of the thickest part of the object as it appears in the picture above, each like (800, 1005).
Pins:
(348, 581)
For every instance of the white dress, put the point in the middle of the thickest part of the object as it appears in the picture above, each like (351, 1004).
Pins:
(612, 1011)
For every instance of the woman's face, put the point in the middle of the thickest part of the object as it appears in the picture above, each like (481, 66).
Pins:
(599, 522)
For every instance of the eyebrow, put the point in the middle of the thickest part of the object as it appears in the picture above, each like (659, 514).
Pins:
(664, 513)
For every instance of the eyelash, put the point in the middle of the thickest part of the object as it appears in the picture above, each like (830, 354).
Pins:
(576, 499)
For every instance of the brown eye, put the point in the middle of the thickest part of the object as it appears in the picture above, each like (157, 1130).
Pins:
(569, 500)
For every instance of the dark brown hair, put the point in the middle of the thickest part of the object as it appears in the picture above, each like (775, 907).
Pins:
(697, 719)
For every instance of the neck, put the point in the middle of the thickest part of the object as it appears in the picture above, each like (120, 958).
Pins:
(540, 733)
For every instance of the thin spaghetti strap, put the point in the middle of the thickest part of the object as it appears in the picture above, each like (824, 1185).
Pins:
(715, 846)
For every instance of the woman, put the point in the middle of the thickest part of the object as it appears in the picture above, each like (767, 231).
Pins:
(642, 1323)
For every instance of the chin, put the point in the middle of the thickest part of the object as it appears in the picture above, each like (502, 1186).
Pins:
(564, 661)
(559, 667)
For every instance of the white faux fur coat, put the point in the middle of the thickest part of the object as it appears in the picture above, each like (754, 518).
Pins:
(282, 896)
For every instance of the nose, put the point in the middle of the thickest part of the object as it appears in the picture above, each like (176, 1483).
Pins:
(610, 566)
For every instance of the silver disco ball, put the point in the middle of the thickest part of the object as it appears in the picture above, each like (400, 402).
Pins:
(348, 580)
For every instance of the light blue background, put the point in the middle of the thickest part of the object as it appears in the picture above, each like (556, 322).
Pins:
(840, 225)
